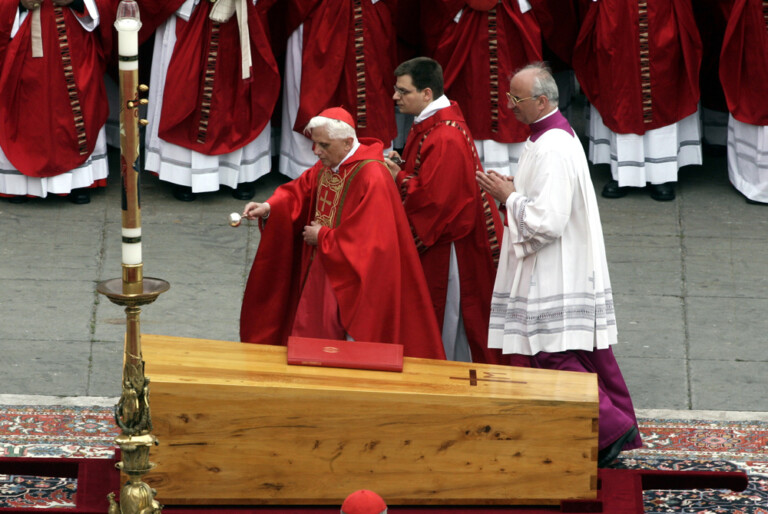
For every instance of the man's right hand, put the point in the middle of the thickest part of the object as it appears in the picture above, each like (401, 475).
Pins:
(254, 210)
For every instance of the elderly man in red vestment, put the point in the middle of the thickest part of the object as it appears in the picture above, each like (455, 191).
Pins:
(336, 259)
(456, 227)
(479, 43)
(53, 103)
(340, 53)
(638, 63)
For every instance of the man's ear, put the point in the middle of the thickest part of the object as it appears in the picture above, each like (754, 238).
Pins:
(430, 96)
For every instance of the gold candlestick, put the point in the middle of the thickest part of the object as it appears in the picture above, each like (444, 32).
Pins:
(132, 290)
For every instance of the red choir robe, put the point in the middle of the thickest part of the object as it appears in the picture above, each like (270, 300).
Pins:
(207, 105)
(367, 254)
(444, 205)
(638, 62)
(348, 60)
(478, 55)
(53, 107)
(743, 62)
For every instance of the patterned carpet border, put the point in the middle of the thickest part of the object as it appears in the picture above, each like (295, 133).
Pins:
(669, 444)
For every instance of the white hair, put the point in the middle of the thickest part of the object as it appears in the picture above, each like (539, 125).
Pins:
(543, 82)
(337, 129)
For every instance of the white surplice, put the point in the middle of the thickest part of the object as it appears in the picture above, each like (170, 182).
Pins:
(552, 290)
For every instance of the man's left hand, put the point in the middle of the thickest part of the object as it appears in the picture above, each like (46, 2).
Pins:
(310, 233)
(495, 184)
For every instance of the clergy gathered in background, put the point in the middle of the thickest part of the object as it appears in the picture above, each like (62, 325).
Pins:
(234, 84)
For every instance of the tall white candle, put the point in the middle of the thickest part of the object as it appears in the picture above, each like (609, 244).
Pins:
(128, 41)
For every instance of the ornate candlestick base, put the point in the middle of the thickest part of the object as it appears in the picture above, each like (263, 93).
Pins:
(132, 413)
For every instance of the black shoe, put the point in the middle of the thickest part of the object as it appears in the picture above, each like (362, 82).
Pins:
(609, 454)
(80, 196)
(244, 191)
(612, 190)
(18, 199)
(663, 192)
(183, 193)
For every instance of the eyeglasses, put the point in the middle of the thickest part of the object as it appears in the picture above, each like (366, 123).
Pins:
(516, 99)
(402, 92)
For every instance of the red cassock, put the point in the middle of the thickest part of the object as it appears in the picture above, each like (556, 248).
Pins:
(348, 60)
(638, 62)
(207, 106)
(367, 254)
(478, 55)
(444, 205)
(52, 107)
(744, 62)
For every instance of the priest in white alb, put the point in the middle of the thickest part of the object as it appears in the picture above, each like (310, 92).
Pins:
(552, 298)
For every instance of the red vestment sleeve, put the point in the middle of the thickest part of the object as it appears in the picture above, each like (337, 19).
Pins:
(274, 284)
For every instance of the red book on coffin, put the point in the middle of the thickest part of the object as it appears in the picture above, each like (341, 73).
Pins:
(310, 351)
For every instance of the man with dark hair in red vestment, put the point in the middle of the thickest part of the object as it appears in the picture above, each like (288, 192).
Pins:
(336, 259)
(53, 104)
(456, 227)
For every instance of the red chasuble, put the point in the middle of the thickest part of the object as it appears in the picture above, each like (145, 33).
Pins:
(366, 251)
(207, 106)
(348, 61)
(479, 55)
(743, 62)
(638, 62)
(444, 205)
(52, 107)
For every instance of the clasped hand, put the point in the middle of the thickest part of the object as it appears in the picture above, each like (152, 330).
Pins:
(497, 185)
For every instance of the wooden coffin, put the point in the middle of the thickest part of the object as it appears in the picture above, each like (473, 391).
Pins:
(237, 425)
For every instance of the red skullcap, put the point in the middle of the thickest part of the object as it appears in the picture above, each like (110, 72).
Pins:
(363, 502)
(338, 113)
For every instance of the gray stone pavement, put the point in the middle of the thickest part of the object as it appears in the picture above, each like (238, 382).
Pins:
(690, 280)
